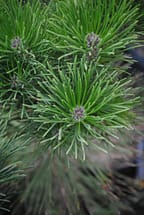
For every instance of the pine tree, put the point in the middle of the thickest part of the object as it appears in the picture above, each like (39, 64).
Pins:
(63, 99)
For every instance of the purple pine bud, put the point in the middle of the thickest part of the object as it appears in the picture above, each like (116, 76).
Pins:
(79, 113)
(15, 43)
(16, 83)
(92, 40)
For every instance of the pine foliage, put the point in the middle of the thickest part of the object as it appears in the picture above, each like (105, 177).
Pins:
(61, 92)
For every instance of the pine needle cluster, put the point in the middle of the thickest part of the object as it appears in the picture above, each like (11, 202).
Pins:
(61, 90)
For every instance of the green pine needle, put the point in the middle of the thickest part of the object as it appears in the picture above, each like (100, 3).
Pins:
(75, 24)
(81, 103)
